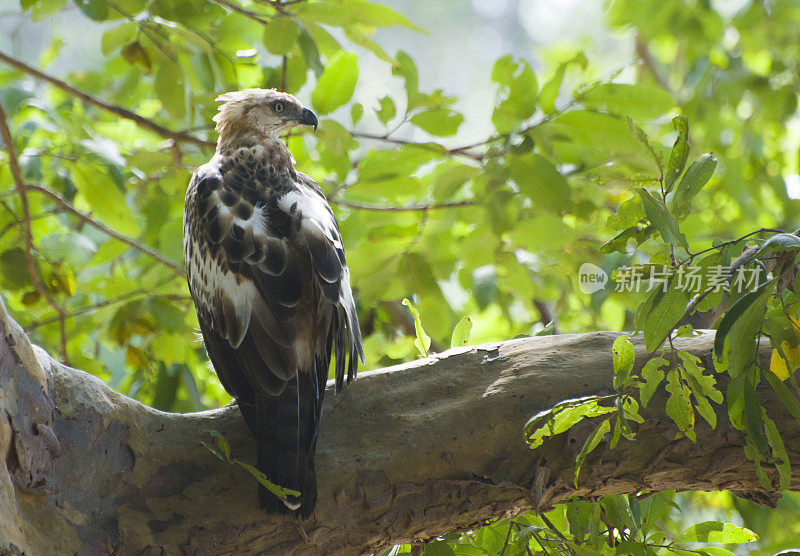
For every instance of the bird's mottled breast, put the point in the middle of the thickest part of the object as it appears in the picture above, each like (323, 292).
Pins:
(231, 205)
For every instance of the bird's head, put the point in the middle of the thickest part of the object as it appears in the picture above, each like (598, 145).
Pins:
(259, 114)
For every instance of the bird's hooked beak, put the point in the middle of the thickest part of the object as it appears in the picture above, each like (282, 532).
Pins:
(307, 117)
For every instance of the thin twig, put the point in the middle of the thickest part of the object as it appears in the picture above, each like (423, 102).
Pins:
(25, 224)
(435, 147)
(105, 229)
(240, 10)
(105, 303)
(113, 108)
(508, 538)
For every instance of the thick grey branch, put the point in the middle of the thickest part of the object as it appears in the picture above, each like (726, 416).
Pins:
(405, 453)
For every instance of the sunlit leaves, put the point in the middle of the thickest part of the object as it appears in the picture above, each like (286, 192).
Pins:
(561, 418)
(662, 220)
(441, 122)
(590, 444)
(653, 374)
(337, 83)
(461, 333)
(640, 101)
(169, 86)
(539, 179)
(101, 197)
(661, 312)
(387, 110)
(518, 91)
(714, 531)
(692, 182)
(679, 153)
(118, 36)
(623, 353)
(280, 35)
(220, 447)
(422, 341)
(94, 9)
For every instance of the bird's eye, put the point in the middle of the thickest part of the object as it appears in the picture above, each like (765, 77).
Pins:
(278, 106)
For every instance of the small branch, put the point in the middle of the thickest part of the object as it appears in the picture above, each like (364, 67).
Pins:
(113, 108)
(25, 224)
(126, 297)
(105, 229)
(240, 10)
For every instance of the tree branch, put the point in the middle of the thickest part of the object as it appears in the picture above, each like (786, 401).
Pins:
(141, 121)
(106, 230)
(405, 454)
(25, 224)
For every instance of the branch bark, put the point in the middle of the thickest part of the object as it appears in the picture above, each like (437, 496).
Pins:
(405, 454)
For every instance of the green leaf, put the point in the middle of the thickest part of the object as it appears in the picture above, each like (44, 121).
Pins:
(561, 418)
(461, 333)
(590, 444)
(753, 421)
(94, 9)
(652, 375)
(664, 312)
(543, 233)
(441, 122)
(660, 217)
(780, 243)
(539, 179)
(118, 36)
(13, 270)
(698, 174)
(393, 163)
(679, 154)
(308, 46)
(623, 354)
(347, 13)
(136, 54)
(281, 35)
(518, 88)
(484, 285)
(105, 201)
(639, 101)
(778, 450)
(337, 83)
(439, 548)
(679, 404)
(356, 111)
(714, 531)
(277, 490)
(551, 89)
(169, 86)
(739, 327)
(387, 110)
(789, 400)
(222, 443)
(405, 67)
(422, 341)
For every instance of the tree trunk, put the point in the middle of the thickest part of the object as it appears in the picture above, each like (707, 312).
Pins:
(405, 453)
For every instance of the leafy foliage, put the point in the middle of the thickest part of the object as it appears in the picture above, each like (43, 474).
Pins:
(486, 238)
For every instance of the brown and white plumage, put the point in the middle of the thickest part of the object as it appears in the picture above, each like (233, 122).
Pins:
(268, 276)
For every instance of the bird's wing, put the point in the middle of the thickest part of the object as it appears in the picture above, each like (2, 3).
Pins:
(269, 277)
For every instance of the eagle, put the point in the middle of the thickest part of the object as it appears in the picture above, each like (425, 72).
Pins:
(268, 276)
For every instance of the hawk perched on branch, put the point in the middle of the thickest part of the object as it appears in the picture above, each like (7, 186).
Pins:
(268, 276)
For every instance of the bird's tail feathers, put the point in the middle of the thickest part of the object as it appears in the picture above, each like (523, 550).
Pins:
(285, 428)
